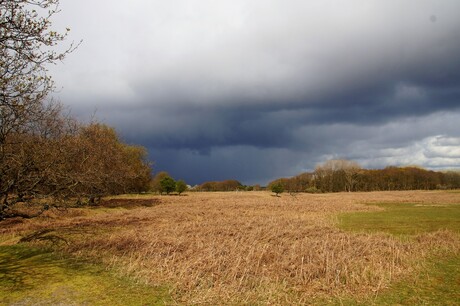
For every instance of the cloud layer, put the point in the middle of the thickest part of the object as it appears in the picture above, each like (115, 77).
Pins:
(255, 90)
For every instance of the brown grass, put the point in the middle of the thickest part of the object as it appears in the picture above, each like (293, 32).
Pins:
(248, 247)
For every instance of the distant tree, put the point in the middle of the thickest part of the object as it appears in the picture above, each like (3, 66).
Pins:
(350, 170)
(277, 188)
(168, 184)
(206, 186)
(337, 175)
(230, 185)
(181, 186)
(450, 180)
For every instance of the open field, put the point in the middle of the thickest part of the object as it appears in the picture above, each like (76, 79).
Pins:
(254, 248)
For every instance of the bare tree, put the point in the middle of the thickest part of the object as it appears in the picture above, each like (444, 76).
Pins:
(350, 169)
(337, 175)
(27, 46)
(30, 159)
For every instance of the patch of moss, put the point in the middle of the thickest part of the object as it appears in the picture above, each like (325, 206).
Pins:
(32, 276)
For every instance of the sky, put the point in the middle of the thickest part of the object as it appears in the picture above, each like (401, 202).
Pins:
(256, 90)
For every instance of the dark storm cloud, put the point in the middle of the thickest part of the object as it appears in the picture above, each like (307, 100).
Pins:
(259, 89)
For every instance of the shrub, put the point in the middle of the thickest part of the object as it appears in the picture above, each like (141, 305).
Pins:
(181, 186)
(168, 185)
(277, 188)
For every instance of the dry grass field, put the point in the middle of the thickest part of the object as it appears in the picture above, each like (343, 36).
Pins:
(247, 247)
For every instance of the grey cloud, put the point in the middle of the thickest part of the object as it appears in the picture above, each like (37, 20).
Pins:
(207, 84)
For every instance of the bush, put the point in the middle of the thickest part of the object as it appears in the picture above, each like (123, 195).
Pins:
(168, 185)
(277, 188)
(181, 186)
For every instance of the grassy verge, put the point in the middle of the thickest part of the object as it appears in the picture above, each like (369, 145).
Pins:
(31, 276)
(438, 283)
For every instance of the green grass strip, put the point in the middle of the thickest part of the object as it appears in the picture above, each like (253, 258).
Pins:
(404, 219)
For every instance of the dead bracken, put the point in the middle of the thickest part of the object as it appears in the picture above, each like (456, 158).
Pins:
(250, 247)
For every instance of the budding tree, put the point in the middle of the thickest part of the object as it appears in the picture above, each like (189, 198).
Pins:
(27, 45)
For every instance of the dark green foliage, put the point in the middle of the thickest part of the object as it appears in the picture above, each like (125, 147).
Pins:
(181, 186)
(277, 188)
(168, 185)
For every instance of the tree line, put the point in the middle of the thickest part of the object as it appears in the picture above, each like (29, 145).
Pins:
(164, 183)
(344, 175)
(331, 176)
(227, 185)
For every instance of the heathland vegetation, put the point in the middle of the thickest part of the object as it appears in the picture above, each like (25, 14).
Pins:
(247, 248)
(87, 244)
